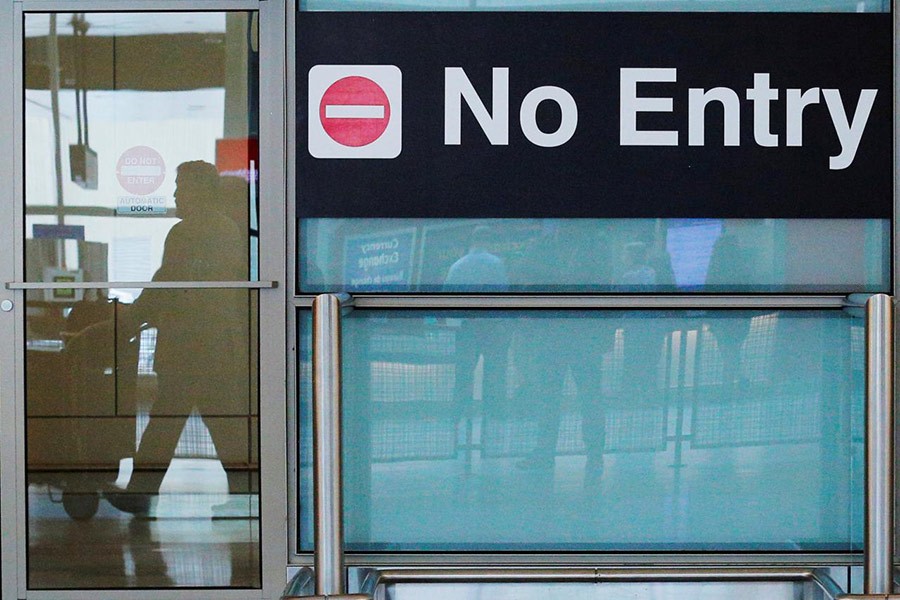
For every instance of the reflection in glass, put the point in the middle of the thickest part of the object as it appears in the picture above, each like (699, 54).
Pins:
(129, 456)
(127, 97)
(594, 255)
(600, 430)
(609, 591)
(141, 404)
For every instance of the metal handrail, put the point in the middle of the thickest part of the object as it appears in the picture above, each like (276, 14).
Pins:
(376, 580)
(172, 285)
(879, 571)
(573, 301)
(327, 484)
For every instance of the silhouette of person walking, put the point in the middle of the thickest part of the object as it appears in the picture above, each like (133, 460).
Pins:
(574, 255)
(202, 349)
(481, 337)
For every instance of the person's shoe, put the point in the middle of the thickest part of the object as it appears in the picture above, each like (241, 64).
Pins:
(133, 503)
(237, 506)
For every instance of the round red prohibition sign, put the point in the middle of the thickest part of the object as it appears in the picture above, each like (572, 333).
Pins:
(141, 170)
(354, 111)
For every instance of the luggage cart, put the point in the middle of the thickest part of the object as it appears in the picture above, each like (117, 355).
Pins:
(94, 412)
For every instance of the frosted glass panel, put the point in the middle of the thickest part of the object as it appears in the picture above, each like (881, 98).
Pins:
(595, 255)
(599, 430)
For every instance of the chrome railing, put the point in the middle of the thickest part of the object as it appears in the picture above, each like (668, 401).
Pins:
(330, 577)
(879, 570)
(376, 580)
(327, 459)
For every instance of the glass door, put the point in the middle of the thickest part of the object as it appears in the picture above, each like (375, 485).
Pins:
(144, 199)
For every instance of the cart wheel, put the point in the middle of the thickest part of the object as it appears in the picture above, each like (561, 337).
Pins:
(81, 506)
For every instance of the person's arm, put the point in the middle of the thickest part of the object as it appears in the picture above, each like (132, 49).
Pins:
(146, 308)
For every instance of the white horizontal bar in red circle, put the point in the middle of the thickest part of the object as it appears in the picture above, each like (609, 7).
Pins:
(141, 171)
(354, 111)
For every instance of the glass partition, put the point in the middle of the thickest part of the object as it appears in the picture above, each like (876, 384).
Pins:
(141, 401)
(595, 255)
(499, 430)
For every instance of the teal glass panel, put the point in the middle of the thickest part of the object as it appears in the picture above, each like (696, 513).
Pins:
(304, 434)
(600, 430)
(606, 5)
(595, 255)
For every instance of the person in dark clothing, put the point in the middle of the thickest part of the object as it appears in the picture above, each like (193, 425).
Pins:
(202, 350)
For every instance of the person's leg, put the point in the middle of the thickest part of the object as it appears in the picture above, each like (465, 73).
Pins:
(543, 371)
(494, 340)
(168, 416)
(467, 354)
(593, 339)
(593, 419)
(232, 438)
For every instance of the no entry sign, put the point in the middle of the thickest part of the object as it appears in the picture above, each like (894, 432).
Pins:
(589, 115)
(141, 170)
(354, 111)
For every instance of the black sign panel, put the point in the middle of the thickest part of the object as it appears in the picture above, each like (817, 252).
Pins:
(795, 112)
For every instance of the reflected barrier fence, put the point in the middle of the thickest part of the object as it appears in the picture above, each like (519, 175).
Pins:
(328, 577)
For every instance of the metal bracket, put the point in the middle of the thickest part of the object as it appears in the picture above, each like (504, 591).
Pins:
(303, 582)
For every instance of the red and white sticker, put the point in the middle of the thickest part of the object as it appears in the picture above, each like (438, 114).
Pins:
(141, 170)
(355, 111)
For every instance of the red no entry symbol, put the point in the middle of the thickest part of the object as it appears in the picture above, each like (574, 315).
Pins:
(141, 170)
(354, 111)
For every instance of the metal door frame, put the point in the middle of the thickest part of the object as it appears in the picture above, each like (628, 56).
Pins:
(272, 352)
(9, 270)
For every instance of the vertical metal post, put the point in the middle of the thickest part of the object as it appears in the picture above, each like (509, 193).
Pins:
(328, 503)
(879, 445)
(53, 67)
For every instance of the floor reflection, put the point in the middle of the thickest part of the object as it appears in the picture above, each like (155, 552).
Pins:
(606, 431)
(196, 535)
